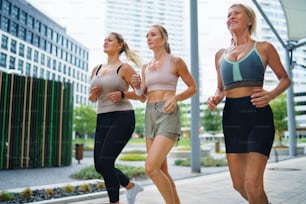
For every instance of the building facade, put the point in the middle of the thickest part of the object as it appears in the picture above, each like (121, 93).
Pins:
(32, 44)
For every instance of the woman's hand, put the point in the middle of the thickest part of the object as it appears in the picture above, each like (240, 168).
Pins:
(212, 102)
(136, 81)
(95, 93)
(170, 105)
(260, 98)
(114, 96)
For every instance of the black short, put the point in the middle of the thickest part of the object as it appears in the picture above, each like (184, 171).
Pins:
(247, 128)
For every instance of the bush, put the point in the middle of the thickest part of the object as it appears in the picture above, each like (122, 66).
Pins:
(6, 196)
(91, 173)
(205, 162)
(133, 157)
(26, 193)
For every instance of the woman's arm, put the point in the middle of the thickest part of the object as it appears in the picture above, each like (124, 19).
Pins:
(213, 101)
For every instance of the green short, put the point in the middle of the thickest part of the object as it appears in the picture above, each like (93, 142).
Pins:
(157, 122)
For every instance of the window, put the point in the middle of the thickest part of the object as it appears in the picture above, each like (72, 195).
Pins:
(49, 62)
(28, 69)
(13, 46)
(42, 59)
(14, 28)
(5, 24)
(30, 22)
(42, 73)
(49, 33)
(36, 40)
(15, 12)
(29, 37)
(37, 26)
(42, 44)
(35, 70)
(29, 53)
(20, 66)
(35, 56)
(44, 30)
(47, 74)
(23, 17)
(49, 47)
(22, 33)
(59, 66)
(6, 7)
(2, 60)
(54, 64)
(21, 50)
(12, 62)
(4, 42)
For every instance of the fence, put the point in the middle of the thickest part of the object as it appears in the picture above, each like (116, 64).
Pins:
(35, 122)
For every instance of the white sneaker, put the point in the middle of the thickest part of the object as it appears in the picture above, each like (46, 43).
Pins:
(131, 193)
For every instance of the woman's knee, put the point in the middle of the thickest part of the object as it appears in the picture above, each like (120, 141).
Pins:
(151, 169)
(239, 186)
(103, 165)
(253, 187)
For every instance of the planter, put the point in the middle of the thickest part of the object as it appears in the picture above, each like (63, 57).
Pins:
(187, 153)
(285, 151)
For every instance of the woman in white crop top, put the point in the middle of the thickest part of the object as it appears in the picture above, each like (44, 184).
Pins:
(162, 117)
(115, 115)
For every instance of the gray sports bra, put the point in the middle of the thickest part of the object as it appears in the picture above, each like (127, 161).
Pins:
(247, 72)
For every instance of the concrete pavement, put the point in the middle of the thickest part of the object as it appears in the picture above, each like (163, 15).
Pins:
(285, 183)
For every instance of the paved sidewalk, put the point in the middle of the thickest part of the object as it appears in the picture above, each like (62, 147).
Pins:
(285, 183)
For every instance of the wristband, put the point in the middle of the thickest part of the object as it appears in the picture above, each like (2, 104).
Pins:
(138, 92)
(122, 94)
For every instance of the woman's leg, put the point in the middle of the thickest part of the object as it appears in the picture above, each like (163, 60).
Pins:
(254, 178)
(164, 168)
(237, 167)
(113, 132)
(158, 150)
(247, 173)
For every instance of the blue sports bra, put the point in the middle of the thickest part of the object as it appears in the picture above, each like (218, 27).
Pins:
(247, 72)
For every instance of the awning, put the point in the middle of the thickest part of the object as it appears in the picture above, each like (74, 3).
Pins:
(295, 13)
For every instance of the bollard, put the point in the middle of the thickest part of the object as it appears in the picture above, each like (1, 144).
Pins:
(217, 146)
(79, 152)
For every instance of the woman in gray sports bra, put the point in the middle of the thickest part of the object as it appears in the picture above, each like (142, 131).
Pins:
(115, 115)
(248, 125)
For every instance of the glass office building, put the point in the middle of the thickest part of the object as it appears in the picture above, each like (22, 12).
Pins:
(32, 44)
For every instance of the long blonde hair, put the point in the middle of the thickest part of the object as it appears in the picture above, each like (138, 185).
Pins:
(131, 55)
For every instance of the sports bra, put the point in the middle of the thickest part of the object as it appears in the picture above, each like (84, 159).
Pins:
(247, 72)
(162, 78)
(110, 82)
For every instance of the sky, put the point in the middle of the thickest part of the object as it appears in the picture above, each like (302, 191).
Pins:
(83, 20)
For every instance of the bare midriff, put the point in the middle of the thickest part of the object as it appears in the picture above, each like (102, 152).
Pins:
(240, 92)
(159, 95)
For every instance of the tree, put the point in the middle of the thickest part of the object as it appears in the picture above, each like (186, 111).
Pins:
(140, 119)
(212, 121)
(185, 114)
(84, 120)
(279, 109)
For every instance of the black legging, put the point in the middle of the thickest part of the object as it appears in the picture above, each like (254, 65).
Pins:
(113, 131)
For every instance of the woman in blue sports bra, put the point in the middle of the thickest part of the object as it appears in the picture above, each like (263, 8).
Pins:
(248, 124)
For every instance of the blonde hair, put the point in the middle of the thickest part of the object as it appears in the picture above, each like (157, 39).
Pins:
(125, 48)
(251, 14)
(164, 35)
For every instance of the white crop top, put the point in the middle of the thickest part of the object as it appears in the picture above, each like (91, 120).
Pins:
(162, 78)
